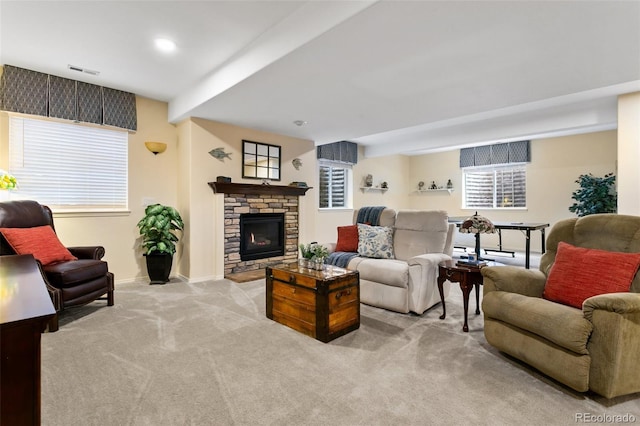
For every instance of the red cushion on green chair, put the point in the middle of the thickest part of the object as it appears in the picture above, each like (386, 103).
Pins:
(347, 238)
(579, 273)
(40, 241)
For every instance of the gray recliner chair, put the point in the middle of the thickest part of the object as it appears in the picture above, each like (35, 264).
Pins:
(408, 282)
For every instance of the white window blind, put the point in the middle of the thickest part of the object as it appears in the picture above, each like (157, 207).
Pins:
(495, 187)
(69, 167)
(334, 185)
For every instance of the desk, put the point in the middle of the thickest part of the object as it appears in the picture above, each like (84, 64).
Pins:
(519, 226)
(25, 310)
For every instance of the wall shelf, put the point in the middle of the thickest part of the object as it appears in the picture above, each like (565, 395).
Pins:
(449, 190)
(372, 188)
(248, 188)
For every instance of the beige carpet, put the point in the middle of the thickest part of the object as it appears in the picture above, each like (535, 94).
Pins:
(205, 354)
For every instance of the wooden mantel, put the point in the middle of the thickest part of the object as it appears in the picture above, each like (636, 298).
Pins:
(249, 188)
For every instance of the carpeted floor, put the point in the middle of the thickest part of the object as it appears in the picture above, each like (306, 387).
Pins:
(205, 354)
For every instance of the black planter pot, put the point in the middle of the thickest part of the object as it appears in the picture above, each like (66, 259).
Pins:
(159, 267)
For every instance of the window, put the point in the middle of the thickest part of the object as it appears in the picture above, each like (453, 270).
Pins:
(260, 160)
(69, 167)
(335, 185)
(495, 187)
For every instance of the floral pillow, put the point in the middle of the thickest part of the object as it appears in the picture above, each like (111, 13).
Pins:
(375, 241)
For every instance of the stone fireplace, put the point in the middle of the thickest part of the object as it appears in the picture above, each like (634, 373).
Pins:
(252, 201)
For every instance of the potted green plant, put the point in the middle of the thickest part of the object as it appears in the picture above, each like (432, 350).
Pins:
(158, 229)
(596, 195)
(313, 255)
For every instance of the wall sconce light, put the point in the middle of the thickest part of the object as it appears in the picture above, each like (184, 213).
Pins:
(156, 147)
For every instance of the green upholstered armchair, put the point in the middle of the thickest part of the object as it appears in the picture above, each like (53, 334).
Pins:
(593, 348)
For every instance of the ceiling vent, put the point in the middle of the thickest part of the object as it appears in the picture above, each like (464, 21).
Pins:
(84, 70)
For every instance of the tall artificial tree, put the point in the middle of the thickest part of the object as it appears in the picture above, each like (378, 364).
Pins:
(596, 195)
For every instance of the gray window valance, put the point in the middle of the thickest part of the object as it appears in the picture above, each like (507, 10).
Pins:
(344, 152)
(32, 92)
(500, 153)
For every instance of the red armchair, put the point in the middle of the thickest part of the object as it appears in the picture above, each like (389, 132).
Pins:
(73, 279)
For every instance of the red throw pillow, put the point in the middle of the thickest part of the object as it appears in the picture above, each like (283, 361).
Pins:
(347, 238)
(40, 241)
(579, 273)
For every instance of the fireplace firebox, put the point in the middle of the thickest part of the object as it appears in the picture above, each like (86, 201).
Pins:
(261, 235)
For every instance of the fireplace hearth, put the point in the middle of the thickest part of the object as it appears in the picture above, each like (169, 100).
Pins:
(261, 235)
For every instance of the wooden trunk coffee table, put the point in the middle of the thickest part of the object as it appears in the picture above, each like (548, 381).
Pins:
(321, 304)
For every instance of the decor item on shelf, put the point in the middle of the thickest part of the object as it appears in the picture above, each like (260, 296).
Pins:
(7, 181)
(223, 179)
(368, 181)
(157, 228)
(297, 163)
(156, 147)
(477, 225)
(596, 195)
(299, 184)
(420, 186)
(449, 184)
(384, 185)
(220, 154)
(433, 185)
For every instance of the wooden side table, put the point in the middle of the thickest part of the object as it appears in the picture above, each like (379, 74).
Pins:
(25, 310)
(468, 277)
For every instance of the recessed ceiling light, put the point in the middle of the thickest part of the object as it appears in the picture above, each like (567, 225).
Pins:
(165, 45)
(299, 123)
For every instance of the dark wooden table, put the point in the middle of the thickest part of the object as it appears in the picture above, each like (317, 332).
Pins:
(25, 310)
(469, 277)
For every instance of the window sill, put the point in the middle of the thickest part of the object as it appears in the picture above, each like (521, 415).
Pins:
(334, 209)
(81, 213)
(372, 188)
(474, 209)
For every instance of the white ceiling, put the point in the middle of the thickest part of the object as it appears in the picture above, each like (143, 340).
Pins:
(404, 77)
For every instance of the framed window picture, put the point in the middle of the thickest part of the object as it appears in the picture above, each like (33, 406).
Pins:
(260, 160)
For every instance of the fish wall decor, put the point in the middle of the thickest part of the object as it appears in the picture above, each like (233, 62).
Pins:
(220, 154)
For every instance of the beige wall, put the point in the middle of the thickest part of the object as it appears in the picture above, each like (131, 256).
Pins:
(205, 210)
(629, 153)
(555, 165)
(393, 169)
(151, 177)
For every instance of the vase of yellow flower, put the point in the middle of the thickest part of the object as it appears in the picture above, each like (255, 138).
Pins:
(7, 181)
